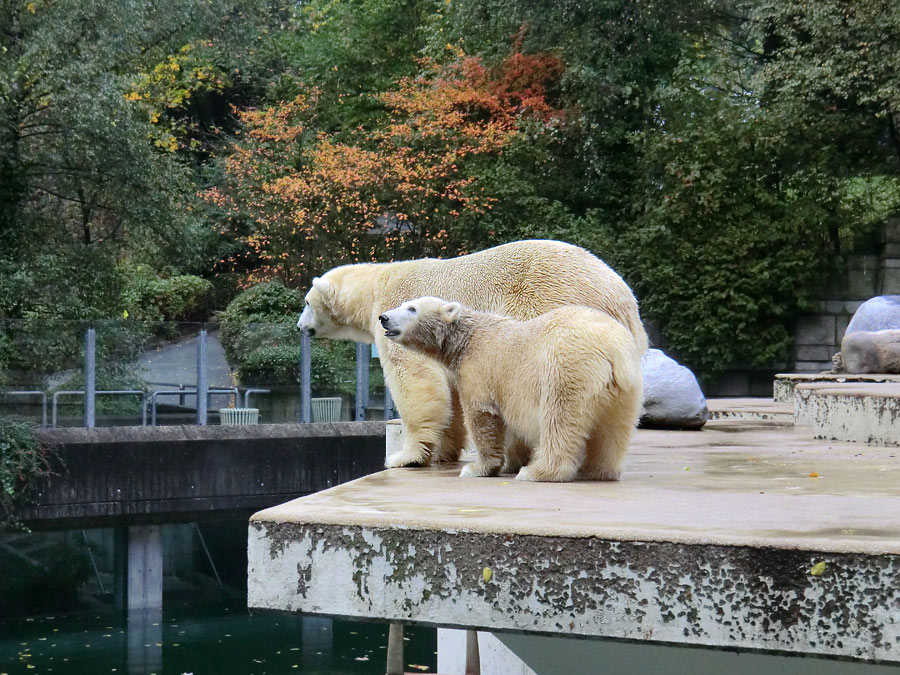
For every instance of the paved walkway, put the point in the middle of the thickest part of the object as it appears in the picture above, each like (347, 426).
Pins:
(176, 363)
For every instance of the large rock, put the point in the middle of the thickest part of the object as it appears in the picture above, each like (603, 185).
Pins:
(871, 351)
(672, 396)
(871, 342)
(879, 313)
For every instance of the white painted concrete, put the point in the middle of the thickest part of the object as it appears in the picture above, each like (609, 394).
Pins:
(495, 657)
(145, 567)
(861, 413)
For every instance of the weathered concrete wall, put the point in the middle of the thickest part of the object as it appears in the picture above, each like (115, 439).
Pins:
(818, 336)
(129, 475)
(862, 413)
(735, 597)
(785, 383)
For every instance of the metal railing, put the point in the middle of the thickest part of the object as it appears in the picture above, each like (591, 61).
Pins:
(111, 392)
(231, 391)
(202, 392)
(41, 394)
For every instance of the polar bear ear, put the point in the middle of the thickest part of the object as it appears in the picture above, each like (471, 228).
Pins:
(450, 311)
(326, 289)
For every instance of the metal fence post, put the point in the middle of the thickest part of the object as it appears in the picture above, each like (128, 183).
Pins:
(305, 377)
(363, 355)
(389, 411)
(202, 384)
(90, 377)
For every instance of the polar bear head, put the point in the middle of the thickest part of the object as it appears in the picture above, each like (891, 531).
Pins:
(332, 311)
(423, 324)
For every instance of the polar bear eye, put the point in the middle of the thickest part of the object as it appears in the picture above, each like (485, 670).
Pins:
(411, 310)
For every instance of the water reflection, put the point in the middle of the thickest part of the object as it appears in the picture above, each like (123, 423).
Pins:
(204, 639)
(144, 641)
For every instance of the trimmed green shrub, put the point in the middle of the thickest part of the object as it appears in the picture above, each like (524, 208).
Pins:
(179, 298)
(263, 345)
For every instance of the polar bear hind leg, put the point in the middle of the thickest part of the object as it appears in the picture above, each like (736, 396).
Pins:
(560, 452)
(608, 442)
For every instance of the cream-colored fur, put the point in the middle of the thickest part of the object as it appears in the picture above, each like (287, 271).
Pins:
(567, 383)
(523, 280)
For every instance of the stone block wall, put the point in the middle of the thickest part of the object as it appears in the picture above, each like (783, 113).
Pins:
(818, 336)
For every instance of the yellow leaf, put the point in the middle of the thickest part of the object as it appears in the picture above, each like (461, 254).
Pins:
(817, 569)
(125, 314)
(486, 574)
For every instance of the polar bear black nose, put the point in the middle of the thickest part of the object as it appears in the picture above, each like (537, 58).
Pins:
(383, 319)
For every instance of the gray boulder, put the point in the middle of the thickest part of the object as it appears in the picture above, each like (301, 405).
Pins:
(672, 396)
(876, 351)
(879, 313)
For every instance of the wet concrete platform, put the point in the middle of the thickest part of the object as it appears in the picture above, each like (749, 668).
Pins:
(747, 535)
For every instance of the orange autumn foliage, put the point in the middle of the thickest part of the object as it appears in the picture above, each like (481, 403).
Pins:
(301, 202)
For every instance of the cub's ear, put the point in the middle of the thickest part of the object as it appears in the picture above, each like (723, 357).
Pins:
(450, 311)
(326, 289)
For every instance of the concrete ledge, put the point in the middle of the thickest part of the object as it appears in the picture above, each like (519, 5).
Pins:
(862, 413)
(132, 475)
(710, 539)
(783, 388)
(750, 409)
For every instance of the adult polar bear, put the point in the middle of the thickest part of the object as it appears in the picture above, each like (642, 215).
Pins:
(522, 279)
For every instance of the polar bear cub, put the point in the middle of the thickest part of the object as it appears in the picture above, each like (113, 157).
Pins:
(567, 383)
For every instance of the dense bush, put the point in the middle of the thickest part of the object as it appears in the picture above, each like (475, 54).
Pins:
(22, 461)
(178, 298)
(267, 304)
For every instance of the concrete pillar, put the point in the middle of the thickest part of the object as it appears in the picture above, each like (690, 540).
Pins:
(145, 567)
(460, 651)
(393, 437)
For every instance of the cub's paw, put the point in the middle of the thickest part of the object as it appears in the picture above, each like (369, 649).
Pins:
(403, 458)
(533, 473)
(477, 470)
(525, 474)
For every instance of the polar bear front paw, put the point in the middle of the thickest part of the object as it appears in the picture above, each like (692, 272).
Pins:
(524, 474)
(536, 474)
(478, 470)
(403, 458)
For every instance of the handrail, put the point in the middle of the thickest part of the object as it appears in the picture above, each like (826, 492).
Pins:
(182, 392)
(43, 396)
(247, 393)
(110, 392)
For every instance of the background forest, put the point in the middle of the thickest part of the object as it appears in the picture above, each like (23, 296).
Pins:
(157, 159)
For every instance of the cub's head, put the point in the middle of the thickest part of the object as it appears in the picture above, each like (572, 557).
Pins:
(422, 324)
(334, 310)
